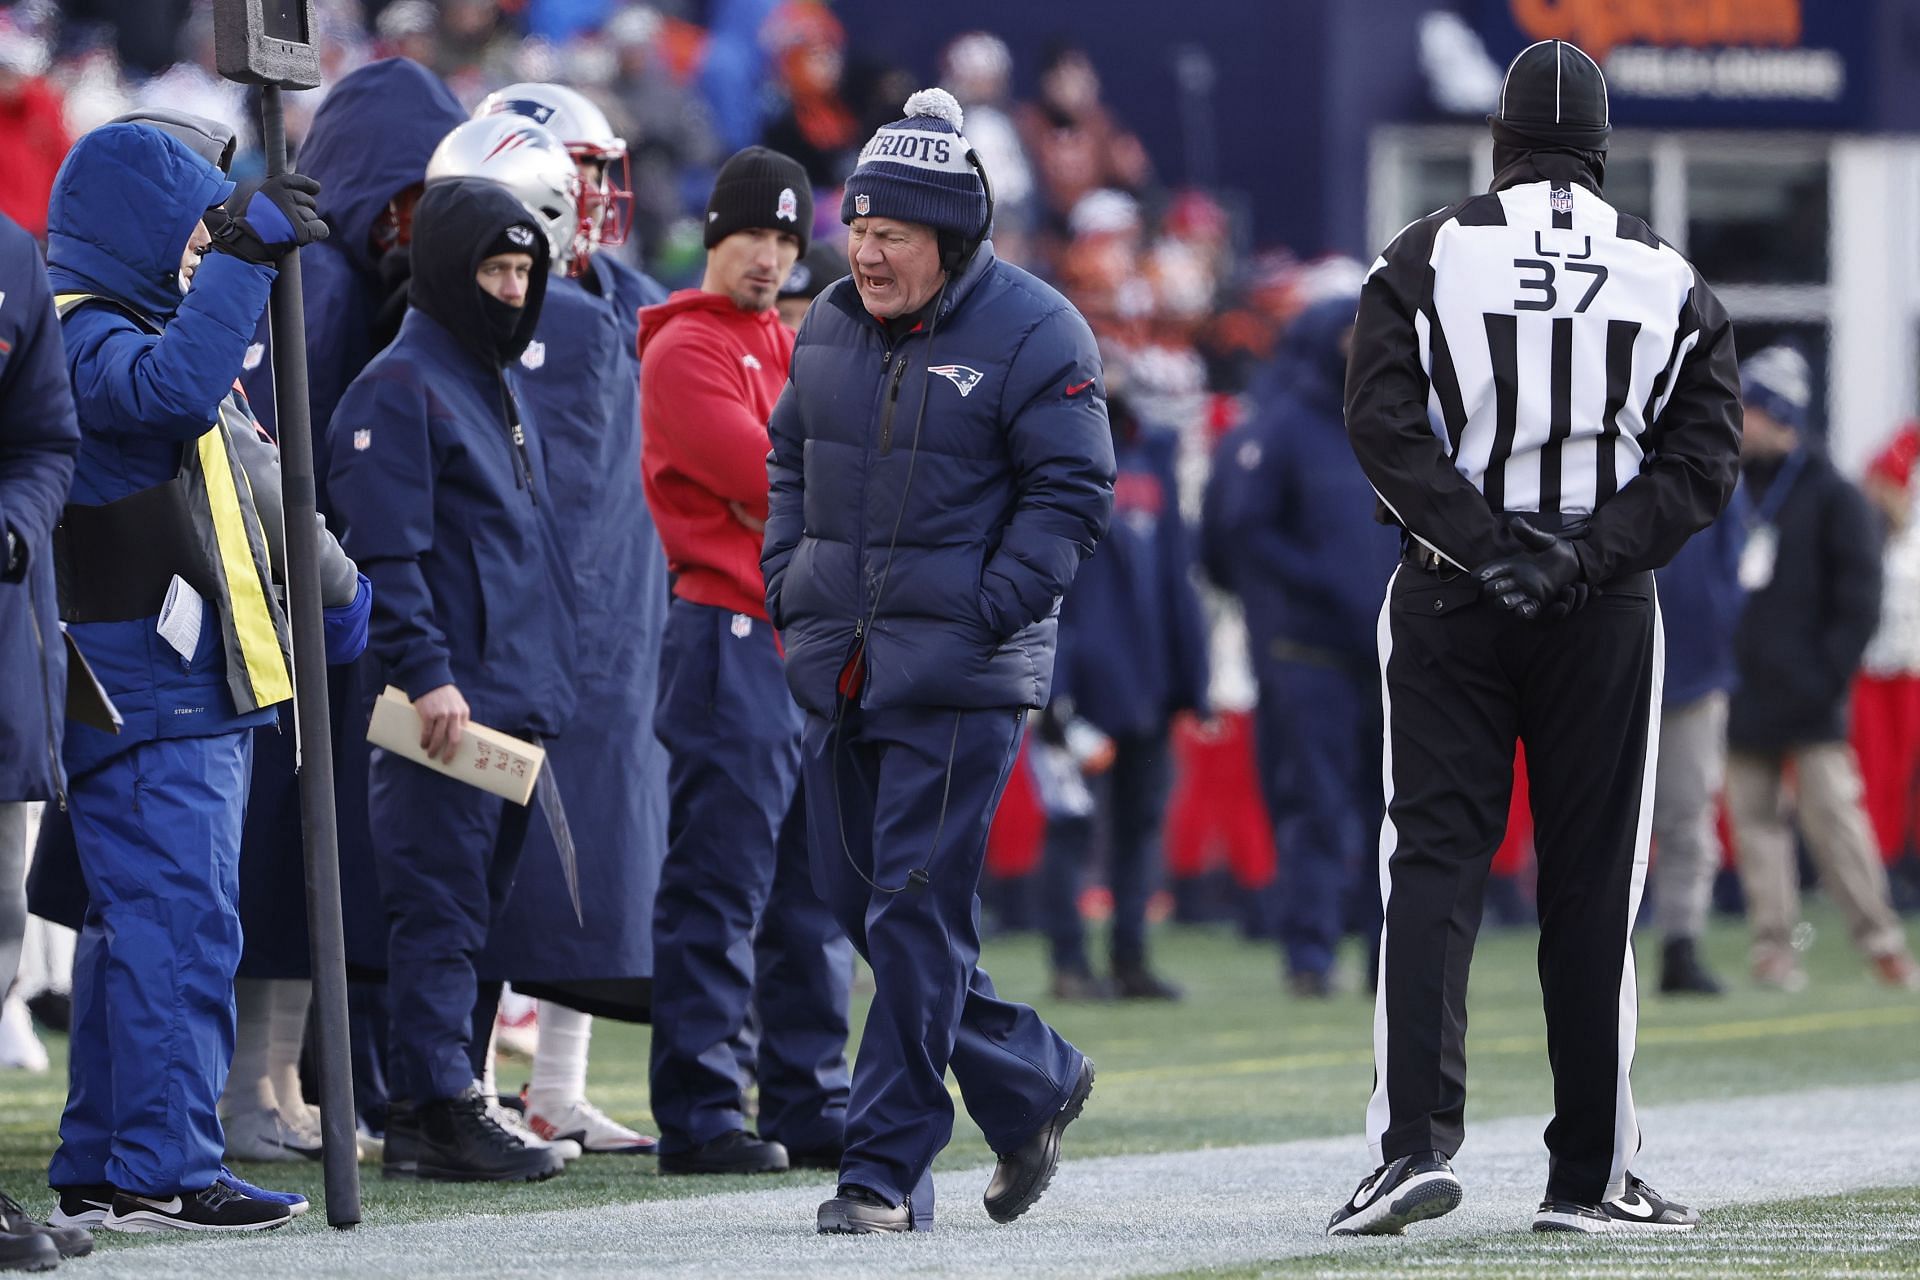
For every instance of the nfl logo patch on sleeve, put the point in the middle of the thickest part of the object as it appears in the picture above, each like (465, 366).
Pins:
(363, 439)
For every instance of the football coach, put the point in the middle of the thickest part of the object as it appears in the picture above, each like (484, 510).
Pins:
(941, 465)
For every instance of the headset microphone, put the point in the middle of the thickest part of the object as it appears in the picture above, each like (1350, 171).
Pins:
(952, 262)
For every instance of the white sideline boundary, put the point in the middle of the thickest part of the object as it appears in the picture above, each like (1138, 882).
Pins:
(1120, 1215)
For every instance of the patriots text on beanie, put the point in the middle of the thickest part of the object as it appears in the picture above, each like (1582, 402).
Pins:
(917, 170)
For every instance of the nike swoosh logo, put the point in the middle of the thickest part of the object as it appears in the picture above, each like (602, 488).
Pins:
(164, 1206)
(1074, 389)
(1367, 1189)
(1633, 1206)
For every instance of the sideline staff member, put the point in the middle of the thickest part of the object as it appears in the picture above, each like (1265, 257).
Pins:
(1545, 397)
(443, 495)
(943, 414)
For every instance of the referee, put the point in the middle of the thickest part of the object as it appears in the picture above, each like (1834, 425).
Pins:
(1545, 397)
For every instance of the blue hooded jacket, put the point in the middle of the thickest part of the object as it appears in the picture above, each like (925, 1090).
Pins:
(370, 140)
(1133, 641)
(38, 438)
(968, 529)
(1288, 521)
(124, 205)
(1700, 604)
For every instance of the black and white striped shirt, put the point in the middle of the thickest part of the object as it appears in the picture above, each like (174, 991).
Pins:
(1535, 350)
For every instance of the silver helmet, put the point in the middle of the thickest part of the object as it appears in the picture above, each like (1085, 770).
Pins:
(527, 160)
(606, 206)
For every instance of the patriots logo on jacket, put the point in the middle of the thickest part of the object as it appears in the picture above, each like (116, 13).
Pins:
(789, 207)
(535, 355)
(959, 375)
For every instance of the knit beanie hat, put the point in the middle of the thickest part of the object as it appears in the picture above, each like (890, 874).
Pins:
(1778, 383)
(916, 170)
(1554, 96)
(759, 187)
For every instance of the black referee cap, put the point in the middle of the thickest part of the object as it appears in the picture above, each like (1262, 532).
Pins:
(1554, 96)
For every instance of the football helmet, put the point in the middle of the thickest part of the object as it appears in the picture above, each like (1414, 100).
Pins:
(606, 206)
(529, 161)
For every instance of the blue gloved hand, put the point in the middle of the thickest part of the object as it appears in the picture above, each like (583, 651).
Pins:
(261, 222)
(345, 627)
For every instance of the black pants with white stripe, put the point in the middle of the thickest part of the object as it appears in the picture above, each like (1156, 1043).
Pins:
(1463, 681)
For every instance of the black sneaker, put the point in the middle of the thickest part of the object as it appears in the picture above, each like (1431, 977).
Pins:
(1409, 1189)
(1642, 1208)
(456, 1140)
(856, 1211)
(1137, 982)
(1570, 1215)
(827, 1158)
(221, 1207)
(1021, 1176)
(734, 1152)
(1682, 973)
(69, 1242)
(27, 1250)
(82, 1206)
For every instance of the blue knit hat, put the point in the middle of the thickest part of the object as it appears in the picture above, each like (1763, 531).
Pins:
(1778, 383)
(916, 170)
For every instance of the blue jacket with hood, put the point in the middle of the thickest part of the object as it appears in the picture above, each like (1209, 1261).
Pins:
(1288, 524)
(124, 205)
(449, 516)
(370, 140)
(969, 527)
(1133, 641)
(38, 438)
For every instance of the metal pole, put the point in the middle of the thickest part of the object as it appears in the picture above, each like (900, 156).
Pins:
(340, 1154)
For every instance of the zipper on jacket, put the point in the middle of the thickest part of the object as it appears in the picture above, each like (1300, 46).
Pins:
(46, 694)
(523, 464)
(893, 398)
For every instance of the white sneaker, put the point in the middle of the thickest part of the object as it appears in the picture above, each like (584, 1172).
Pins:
(516, 1124)
(516, 1028)
(592, 1128)
(264, 1134)
(20, 1048)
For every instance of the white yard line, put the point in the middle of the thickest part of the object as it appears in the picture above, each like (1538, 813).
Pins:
(1123, 1215)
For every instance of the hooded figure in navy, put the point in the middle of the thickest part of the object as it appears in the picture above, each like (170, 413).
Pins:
(442, 486)
(941, 465)
(1288, 527)
(167, 582)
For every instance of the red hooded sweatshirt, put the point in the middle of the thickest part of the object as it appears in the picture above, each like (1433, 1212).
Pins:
(709, 376)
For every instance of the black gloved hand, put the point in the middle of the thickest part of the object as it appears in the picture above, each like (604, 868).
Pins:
(1530, 584)
(261, 221)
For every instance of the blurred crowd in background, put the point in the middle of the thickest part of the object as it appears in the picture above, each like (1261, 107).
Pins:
(1202, 333)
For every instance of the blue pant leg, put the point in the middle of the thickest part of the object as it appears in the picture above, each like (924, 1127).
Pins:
(1136, 803)
(159, 838)
(86, 1124)
(840, 775)
(1318, 822)
(733, 736)
(931, 1005)
(1063, 863)
(434, 839)
(803, 975)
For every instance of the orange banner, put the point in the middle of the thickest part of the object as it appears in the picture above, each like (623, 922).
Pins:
(1597, 26)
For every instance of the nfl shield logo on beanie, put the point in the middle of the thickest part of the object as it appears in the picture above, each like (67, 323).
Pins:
(920, 169)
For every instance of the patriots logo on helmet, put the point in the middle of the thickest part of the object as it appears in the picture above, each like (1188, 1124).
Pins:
(861, 205)
(789, 207)
(539, 112)
(959, 375)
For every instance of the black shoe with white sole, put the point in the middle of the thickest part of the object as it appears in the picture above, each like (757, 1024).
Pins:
(220, 1207)
(83, 1206)
(1639, 1208)
(1410, 1189)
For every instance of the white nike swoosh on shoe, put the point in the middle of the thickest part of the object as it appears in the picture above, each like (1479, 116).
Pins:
(1634, 1206)
(1367, 1188)
(164, 1206)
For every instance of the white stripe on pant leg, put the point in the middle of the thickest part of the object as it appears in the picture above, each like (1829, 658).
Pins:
(1378, 1117)
(1626, 1123)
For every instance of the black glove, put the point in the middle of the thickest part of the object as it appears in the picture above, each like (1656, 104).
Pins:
(1531, 583)
(261, 221)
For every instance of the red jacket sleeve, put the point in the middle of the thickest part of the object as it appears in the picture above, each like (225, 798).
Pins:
(695, 408)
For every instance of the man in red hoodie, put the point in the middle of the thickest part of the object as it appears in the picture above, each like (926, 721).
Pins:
(713, 361)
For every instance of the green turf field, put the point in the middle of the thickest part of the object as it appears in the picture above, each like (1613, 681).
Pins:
(1239, 1063)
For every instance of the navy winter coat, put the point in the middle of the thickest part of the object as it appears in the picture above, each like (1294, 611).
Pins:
(452, 522)
(38, 439)
(370, 140)
(1288, 522)
(1011, 487)
(1133, 642)
(1700, 603)
(124, 204)
(1801, 637)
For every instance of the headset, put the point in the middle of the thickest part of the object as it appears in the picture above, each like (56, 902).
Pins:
(954, 259)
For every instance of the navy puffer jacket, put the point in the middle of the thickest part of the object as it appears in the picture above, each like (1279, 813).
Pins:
(1010, 487)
